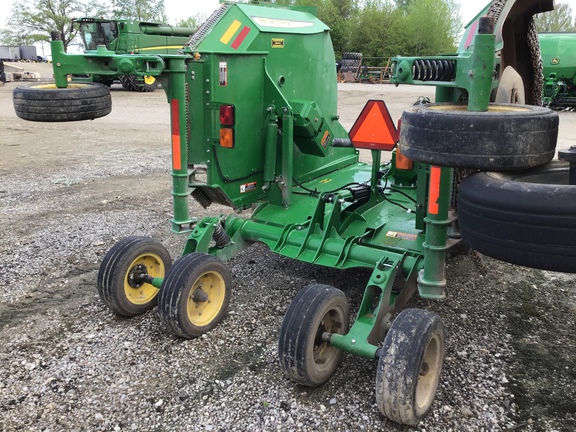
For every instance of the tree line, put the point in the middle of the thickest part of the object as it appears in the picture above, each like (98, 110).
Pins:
(377, 28)
(383, 28)
(559, 20)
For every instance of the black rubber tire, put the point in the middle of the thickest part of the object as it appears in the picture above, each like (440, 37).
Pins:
(506, 137)
(147, 84)
(176, 296)
(138, 83)
(47, 103)
(103, 80)
(350, 62)
(300, 335)
(351, 56)
(126, 82)
(120, 264)
(414, 343)
(521, 217)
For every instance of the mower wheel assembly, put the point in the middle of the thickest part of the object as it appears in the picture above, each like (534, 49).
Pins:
(522, 217)
(506, 137)
(410, 365)
(305, 356)
(121, 276)
(195, 295)
(48, 103)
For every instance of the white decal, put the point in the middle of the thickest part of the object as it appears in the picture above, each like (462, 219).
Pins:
(280, 23)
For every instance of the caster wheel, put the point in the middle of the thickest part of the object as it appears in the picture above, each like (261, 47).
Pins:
(409, 368)
(195, 295)
(119, 283)
(304, 357)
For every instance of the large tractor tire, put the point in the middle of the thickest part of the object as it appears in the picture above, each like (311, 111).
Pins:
(350, 62)
(139, 84)
(48, 103)
(521, 217)
(126, 82)
(506, 137)
(147, 84)
(521, 48)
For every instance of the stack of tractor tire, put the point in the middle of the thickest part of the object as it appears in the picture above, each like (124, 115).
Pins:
(2, 74)
(515, 203)
(349, 67)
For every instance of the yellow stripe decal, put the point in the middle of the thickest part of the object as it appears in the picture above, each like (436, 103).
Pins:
(230, 32)
(160, 47)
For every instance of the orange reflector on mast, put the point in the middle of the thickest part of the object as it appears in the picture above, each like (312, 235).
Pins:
(374, 128)
(176, 150)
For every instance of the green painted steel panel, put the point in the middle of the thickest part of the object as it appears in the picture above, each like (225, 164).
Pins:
(252, 66)
(243, 24)
(557, 50)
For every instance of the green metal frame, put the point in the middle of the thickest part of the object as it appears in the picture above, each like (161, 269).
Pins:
(470, 75)
(314, 201)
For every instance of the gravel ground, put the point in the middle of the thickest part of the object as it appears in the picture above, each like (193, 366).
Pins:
(68, 192)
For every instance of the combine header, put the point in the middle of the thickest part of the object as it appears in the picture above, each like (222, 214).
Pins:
(254, 122)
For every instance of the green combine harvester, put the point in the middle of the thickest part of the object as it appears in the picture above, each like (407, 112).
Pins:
(254, 124)
(559, 68)
(124, 36)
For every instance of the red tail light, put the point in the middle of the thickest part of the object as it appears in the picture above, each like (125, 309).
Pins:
(227, 115)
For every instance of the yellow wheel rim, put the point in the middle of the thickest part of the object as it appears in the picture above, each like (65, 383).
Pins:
(149, 79)
(324, 353)
(53, 86)
(429, 372)
(206, 298)
(491, 108)
(142, 293)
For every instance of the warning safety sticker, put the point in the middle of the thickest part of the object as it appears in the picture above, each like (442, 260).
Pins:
(248, 187)
(223, 75)
(401, 235)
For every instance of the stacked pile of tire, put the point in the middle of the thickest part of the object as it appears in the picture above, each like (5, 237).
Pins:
(350, 62)
(2, 74)
(517, 205)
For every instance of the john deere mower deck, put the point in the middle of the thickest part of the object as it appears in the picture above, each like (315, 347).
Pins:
(254, 124)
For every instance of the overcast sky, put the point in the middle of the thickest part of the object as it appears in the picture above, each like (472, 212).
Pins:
(176, 11)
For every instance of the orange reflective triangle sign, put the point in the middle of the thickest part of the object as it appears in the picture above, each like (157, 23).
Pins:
(374, 128)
